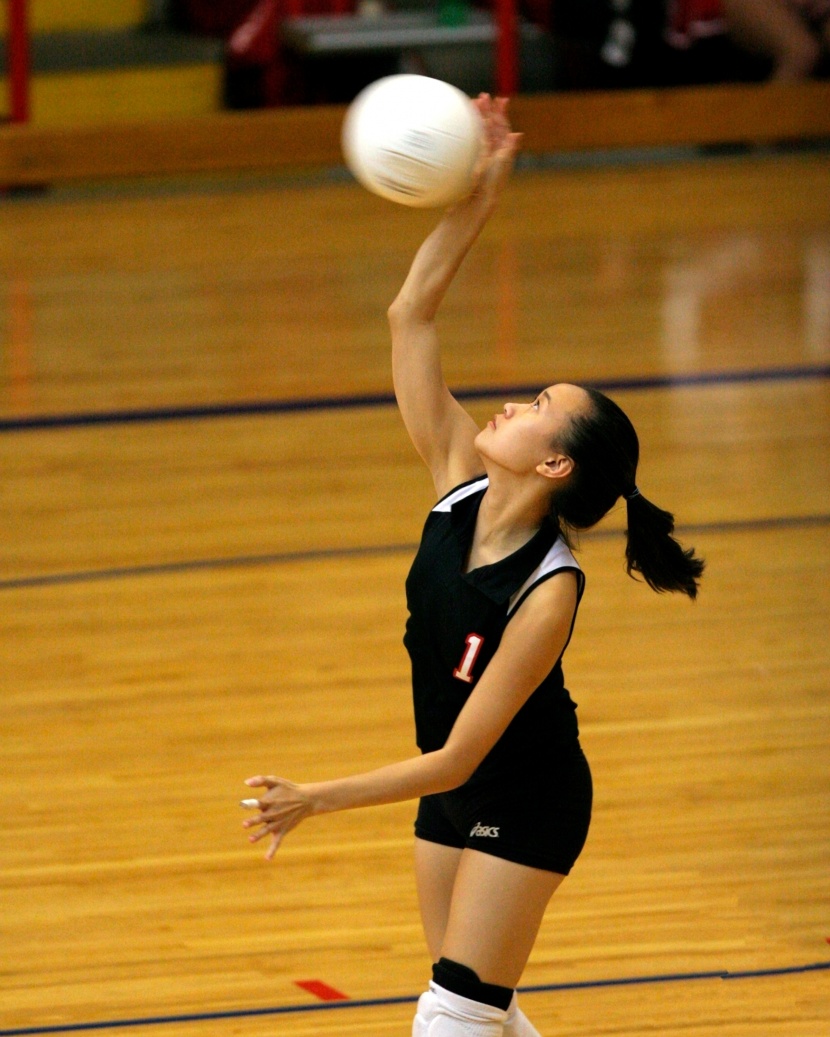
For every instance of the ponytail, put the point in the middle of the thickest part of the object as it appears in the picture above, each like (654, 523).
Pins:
(652, 551)
(604, 448)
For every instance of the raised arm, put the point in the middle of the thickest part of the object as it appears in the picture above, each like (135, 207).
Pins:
(440, 428)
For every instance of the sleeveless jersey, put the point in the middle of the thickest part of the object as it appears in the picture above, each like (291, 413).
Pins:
(457, 619)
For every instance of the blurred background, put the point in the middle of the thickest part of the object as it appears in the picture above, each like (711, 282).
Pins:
(208, 504)
(98, 60)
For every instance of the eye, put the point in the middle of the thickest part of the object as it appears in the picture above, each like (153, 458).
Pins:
(536, 403)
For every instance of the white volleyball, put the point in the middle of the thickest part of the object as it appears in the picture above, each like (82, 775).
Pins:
(413, 140)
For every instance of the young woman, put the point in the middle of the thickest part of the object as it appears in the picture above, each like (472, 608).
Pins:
(505, 791)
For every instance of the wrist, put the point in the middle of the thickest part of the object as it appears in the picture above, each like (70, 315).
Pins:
(477, 207)
(315, 794)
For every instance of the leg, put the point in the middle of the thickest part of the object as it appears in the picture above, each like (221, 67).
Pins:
(482, 913)
(440, 1013)
(435, 871)
(489, 912)
(496, 910)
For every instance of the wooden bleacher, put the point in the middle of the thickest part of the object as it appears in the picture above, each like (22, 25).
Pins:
(296, 137)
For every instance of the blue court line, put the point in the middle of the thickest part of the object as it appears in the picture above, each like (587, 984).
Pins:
(320, 554)
(39, 423)
(323, 1006)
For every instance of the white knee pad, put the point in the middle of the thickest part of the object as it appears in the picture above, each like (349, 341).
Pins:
(423, 1014)
(517, 1023)
(444, 1014)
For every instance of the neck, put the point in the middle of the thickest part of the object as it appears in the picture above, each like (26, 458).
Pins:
(512, 509)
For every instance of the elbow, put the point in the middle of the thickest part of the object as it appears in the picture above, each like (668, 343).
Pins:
(402, 312)
(395, 312)
(455, 769)
(408, 311)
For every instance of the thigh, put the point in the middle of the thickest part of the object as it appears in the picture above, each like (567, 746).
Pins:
(436, 866)
(496, 910)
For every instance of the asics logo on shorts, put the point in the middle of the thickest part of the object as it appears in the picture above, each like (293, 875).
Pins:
(492, 831)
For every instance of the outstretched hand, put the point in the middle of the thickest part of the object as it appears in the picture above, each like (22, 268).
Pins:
(281, 807)
(499, 147)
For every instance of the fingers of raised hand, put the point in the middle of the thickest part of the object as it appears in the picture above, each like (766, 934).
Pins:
(496, 125)
(499, 126)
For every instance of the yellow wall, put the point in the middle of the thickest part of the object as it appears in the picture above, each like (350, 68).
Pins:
(89, 98)
(86, 98)
(54, 15)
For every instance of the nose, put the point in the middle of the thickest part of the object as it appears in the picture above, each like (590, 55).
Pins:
(510, 409)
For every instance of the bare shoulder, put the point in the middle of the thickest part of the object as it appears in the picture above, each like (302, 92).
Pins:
(537, 634)
(550, 606)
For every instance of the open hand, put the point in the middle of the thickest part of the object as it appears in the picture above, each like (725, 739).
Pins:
(281, 807)
(499, 146)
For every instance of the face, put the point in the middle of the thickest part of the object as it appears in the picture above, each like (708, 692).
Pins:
(520, 438)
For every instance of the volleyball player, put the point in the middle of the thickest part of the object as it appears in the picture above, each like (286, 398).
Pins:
(504, 788)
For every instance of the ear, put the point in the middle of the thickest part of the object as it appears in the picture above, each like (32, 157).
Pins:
(558, 466)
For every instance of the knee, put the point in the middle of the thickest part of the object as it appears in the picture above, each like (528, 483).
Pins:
(458, 1004)
(462, 980)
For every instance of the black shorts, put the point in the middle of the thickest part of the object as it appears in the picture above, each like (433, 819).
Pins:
(534, 814)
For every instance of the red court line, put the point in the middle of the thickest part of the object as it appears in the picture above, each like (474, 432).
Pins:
(321, 990)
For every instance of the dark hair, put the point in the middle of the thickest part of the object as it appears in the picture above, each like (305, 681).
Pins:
(605, 451)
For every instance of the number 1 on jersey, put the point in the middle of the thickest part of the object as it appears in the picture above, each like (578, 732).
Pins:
(464, 670)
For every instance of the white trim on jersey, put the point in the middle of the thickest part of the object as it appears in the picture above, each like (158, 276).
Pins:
(466, 490)
(558, 557)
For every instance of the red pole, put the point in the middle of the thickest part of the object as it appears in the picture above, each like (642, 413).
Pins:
(18, 51)
(507, 48)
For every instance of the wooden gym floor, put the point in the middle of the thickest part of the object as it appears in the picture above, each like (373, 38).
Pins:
(207, 512)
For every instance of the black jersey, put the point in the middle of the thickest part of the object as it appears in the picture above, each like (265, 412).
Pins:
(457, 619)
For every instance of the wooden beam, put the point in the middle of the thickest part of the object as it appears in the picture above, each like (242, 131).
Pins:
(294, 137)
(730, 113)
(260, 140)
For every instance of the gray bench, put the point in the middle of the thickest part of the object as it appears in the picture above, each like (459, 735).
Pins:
(417, 41)
(401, 31)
